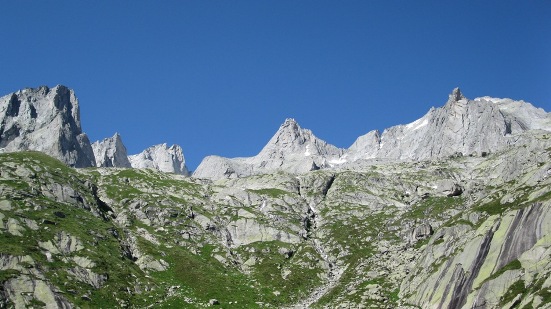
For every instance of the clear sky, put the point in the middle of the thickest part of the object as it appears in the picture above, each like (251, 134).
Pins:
(219, 77)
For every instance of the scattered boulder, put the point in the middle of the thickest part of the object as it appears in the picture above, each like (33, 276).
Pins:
(419, 232)
(449, 188)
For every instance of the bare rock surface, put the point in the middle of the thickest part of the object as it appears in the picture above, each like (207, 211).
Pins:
(46, 120)
(162, 158)
(461, 127)
(111, 152)
(292, 149)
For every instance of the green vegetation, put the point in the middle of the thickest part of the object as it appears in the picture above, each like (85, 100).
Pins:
(360, 226)
(353, 242)
(495, 207)
(286, 276)
(271, 192)
(433, 207)
(514, 264)
(515, 289)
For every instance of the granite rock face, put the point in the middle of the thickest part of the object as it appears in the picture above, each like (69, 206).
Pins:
(468, 127)
(46, 120)
(292, 149)
(111, 152)
(162, 158)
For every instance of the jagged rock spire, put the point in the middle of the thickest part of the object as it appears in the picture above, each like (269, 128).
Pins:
(111, 152)
(456, 95)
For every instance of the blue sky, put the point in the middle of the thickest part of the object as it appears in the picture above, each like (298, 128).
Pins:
(219, 77)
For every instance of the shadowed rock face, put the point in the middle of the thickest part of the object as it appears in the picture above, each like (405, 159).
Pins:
(46, 120)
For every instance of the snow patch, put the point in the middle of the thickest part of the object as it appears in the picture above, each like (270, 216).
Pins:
(338, 161)
(417, 124)
(490, 99)
(307, 152)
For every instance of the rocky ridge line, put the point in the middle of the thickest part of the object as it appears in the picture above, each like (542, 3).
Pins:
(48, 120)
(460, 127)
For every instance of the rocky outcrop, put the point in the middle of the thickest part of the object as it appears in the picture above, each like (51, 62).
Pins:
(46, 120)
(111, 152)
(476, 276)
(162, 158)
(247, 230)
(292, 149)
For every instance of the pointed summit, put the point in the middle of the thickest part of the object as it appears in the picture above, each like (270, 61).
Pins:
(111, 152)
(289, 134)
(290, 122)
(292, 140)
(456, 95)
(291, 149)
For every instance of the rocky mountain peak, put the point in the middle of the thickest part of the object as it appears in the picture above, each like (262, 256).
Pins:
(456, 95)
(46, 120)
(289, 122)
(111, 152)
(291, 149)
(290, 133)
(291, 139)
(162, 158)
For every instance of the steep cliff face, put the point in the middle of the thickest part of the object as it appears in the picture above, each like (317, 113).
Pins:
(46, 120)
(111, 152)
(502, 263)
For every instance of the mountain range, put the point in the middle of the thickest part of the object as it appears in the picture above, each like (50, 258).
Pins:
(461, 126)
(450, 211)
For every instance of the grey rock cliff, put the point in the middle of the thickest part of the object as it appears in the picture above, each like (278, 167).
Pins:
(46, 120)
(111, 152)
(161, 157)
